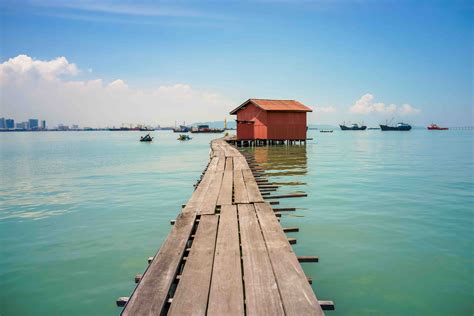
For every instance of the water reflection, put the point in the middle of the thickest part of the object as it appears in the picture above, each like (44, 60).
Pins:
(284, 165)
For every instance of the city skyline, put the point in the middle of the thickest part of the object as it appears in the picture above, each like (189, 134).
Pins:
(107, 63)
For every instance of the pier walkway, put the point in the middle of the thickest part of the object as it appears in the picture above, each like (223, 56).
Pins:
(226, 253)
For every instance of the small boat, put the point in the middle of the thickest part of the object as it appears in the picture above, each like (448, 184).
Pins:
(184, 137)
(434, 127)
(374, 128)
(146, 138)
(146, 129)
(326, 131)
(353, 127)
(398, 127)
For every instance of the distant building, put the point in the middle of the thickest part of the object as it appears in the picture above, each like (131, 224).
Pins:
(10, 123)
(62, 127)
(22, 125)
(33, 123)
(75, 126)
(271, 120)
(2, 123)
(43, 124)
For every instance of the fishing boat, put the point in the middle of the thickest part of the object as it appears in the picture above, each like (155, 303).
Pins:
(353, 127)
(184, 137)
(206, 129)
(146, 138)
(434, 127)
(399, 127)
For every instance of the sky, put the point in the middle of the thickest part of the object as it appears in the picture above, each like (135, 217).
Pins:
(108, 63)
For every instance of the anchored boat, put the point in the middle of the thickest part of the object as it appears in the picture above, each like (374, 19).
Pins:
(146, 138)
(398, 127)
(353, 127)
(206, 129)
(434, 127)
(181, 129)
(184, 137)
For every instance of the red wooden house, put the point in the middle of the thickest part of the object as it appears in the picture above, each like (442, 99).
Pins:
(261, 119)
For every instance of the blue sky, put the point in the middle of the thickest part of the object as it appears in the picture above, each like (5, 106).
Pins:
(331, 55)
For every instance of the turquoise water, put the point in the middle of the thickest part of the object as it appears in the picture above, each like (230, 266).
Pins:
(389, 214)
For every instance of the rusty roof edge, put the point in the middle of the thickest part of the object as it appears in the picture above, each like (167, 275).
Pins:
(234, 111)
(251, 100)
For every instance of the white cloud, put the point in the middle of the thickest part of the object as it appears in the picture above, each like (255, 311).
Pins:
(366, 105)
(118, 84)
(407, 109)
(324, 109)
(25, 67)
(34, 88)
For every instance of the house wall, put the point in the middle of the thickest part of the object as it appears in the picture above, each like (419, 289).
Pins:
(258, 130)
(286, 125)
(270, 125)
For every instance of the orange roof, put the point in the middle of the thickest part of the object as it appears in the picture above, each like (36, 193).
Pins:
(275, 105)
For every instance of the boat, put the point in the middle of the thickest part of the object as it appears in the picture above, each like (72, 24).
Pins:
(374, 128)
(146, 129)
(146, 138)
(434, 127)
(181, 129)
(398, 127)
(206, 129)
(184, 137)
(353, 127)
(326, 131)
(121, 129)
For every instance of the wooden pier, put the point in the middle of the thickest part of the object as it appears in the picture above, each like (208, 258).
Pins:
(226, 253)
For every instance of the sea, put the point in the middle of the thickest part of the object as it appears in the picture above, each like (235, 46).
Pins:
(390, 215)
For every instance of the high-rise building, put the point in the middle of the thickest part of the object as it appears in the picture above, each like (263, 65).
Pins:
(43, 124)
(33, 123)
(10, 123)
(2, 122)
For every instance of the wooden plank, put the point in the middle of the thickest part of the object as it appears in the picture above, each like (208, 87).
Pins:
(229, 164)
(261, 290)
(212, 194)
(227, 295)
(252, 188)
(240, 163)
(222, 161)
(240, 190)
(151, 293)
(296, 293)
(225, 195)
(295, 195)
(192, 292)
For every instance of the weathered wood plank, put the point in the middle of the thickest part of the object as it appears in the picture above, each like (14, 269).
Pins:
(261, 290)
(240, 163)
(151, 293)
(296, 293)
(240, 190)
(192, 292)
(212, 194)
(227, 295)
(225, 195)
(229, 164)
(252, 188)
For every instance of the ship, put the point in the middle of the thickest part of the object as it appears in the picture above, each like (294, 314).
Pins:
(181, 129)
(398, 127)
(206, 129)
(434, 127)
(353, 127)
